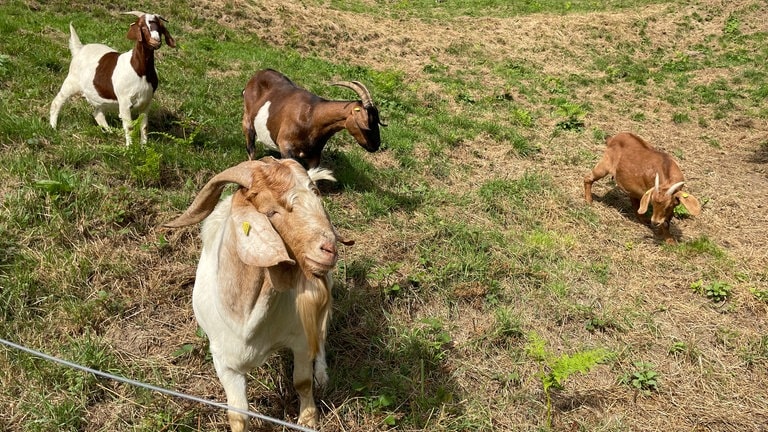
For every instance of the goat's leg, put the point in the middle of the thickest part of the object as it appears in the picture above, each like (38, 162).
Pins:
(665, 234)
(101, 119)
(68, 89)
(599, 171)
(250, 137)
(302, 382)
(125, 116)
(234, 384)
(321, 367)
(144, 125)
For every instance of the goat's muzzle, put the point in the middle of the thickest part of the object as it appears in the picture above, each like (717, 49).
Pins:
(322, 260)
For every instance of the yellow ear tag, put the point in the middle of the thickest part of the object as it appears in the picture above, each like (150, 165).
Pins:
(685, 195)
(246, 228)
(357, 108)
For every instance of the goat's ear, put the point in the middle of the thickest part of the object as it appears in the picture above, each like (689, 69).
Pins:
(645, 201)
(168, 38)
(134, 32)
(342, 240)
(690, 202)
(361, 118)
(258, 244)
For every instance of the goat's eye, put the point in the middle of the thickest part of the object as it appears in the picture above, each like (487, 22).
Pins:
(271, 213)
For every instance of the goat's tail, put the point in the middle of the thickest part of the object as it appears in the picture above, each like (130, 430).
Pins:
(313, 303)
(74, 41)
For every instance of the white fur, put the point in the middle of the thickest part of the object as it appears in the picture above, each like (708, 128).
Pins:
(150, 18)
(243, 336)
(260, 126)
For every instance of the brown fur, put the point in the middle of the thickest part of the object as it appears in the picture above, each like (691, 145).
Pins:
(102, 80)
(635, 165)
(313, 304)
(301, 123)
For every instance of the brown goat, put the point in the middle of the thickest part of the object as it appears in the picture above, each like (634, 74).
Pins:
(647, 175)
(298, 124)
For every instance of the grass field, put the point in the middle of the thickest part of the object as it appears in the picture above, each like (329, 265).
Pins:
(482, 293)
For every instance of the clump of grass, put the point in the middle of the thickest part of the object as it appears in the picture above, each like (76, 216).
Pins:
(717, 291)
(701, 246)
(643, 379)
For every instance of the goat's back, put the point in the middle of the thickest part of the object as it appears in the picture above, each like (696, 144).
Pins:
(634, 164)
(280, 90)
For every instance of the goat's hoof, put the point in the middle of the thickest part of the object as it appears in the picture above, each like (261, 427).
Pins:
(237, 422)
(309, 418)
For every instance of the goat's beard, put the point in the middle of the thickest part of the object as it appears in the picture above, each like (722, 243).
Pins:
(313, 304)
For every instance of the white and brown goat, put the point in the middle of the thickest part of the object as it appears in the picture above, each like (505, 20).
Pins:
(264, 277)
(648, 176)
(298, 124)
(112, 81)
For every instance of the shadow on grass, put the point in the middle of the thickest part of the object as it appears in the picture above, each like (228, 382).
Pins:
(386, 371)
(619, 200)
(355, 174)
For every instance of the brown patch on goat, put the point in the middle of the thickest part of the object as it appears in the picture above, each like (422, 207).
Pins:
(102, 80)
(277, 180)
(143, 62)
(242, 296)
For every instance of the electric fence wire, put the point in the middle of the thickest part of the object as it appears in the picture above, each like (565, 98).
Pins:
(154, 388)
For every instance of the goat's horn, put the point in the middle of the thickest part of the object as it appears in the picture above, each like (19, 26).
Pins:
(358, 88)
(208, 197)
(674, 188)
(137, 13)
(656, 186)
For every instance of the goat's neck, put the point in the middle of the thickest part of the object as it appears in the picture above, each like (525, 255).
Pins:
(334, 116)
(240, 285)
(143, 62)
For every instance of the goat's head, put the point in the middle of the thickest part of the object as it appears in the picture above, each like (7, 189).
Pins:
(664, 199)
(363, 120)
(148, 28)
(277, 215)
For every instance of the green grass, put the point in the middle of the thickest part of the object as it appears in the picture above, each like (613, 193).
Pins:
(471, 230)
(479, 8)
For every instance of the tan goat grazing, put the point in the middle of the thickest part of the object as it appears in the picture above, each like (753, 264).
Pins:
(264, 277)
(647, 175)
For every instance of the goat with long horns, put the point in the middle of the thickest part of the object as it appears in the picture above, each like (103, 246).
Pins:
(298, 124)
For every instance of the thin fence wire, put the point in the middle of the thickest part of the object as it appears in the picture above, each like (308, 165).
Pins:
(155, 388)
